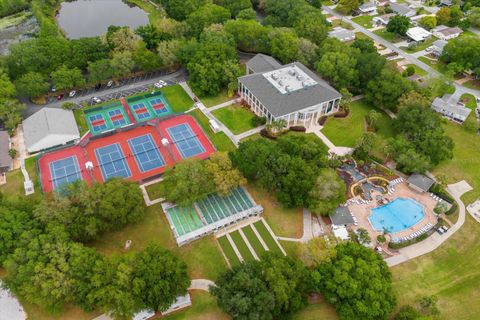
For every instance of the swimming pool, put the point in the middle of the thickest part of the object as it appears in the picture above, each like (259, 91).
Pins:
(398, 215)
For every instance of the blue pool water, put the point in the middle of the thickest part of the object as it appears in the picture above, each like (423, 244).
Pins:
(398, 215)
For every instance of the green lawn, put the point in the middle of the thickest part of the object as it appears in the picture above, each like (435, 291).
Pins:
(341, 23)
(228, 251)
(473, 84)
(241, 246)
(418, 71)
(422, 46)
(236, 118)
(153, 191)
(451, 272)
(81, 121)
(177, 97)
(469, 100)
(346, 131)
(203, 256)
(220, 140)
(210, 101)
(389, 36)
(435, 64)
(320, 310)
(364, 21)
(14, 185)
(267, 237)
(254, 242)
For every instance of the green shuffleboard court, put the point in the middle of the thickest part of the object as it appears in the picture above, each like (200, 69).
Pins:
(184, 219)
(228, 250)
(267, 237)
(241, 246)
(253, 239)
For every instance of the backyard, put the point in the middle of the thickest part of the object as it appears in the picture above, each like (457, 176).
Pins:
(389, 36)
(364, 21)
(236, 118)
(346, 131)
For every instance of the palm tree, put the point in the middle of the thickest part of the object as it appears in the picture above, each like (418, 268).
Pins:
(372, 118)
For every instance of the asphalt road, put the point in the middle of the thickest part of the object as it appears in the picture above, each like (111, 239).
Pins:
(459, 89)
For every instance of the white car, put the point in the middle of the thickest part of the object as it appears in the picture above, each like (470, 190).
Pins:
(158, 85)
(72, 93)
(109, 83)
(96, 99)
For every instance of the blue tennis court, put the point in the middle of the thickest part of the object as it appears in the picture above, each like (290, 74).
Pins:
(185, 140)
(112, 162)
(141, 111)
(116, 116)
(146, 153)
(65, 171)
(97, 122)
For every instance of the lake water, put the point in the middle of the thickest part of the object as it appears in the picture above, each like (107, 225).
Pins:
(91, 18)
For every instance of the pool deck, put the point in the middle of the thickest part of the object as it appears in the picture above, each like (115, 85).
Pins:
(362, 211)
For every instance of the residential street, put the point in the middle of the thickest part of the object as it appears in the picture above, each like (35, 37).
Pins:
(459, 89)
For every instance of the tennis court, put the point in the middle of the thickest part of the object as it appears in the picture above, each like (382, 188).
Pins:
(97, 123)
(64, 171)
(141, 112)
(106, 118)
(184, 219)
(146, 153)
(112, 162)
(159, 105)
(185, 140)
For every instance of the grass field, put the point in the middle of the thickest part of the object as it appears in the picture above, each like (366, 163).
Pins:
(241, 246)
(469, 100)
(450, 272)
(267, 237)
(178, 98)
(286, 222)
(203, 256)
(211, 101)
(364, 21)
(437, 65)
(153, 191)
(81, 121)
(473, 84)
(422, 46)
(389, 36)
(220, 140)
(318, 310)
(254, 242)
(236, 118)
(346, 131)
(228, 250)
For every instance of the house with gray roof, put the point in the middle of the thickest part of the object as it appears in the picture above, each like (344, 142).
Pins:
(5, 159)
(290, 92)
(402, 10)
(368, 7)
(437, 47)
(342, 217)
(262, 63)
(342, 34)
(420, 182)
(48, 128)
(455, 112)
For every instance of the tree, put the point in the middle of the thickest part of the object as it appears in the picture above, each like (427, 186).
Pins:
(346, 98)
(372, 118)
(237, 6)
(11, 113)
(317, 250)
(365, 144)
(357, 282)
(168, 52)
(188, 182)
(121, 39)
(32, 85)
(408, 313)
(204, 16)
(329, 191)
(284, 45)
(122, 63)
(312, 26)
(180, 9)
(398, 24)
(456, 15)
(225, 177)
(339, 67)
(463, 53)
(65, 78)
(7, 88)
(474, 17)
(386, 89)
(365, 45)
(443, 16)
(348, 6)
(428, 22)
(247, 14)
(363, 237)
(151, 35)
(369, 66)
(161, 276)
(249, 35)
(146, 59)
(99, 70)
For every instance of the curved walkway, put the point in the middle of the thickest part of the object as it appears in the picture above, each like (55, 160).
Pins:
(435, 240)
(201, 284)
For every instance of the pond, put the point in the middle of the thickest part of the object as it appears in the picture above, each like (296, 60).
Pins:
(91, 18)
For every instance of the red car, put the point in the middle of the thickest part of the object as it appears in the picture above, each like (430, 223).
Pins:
(60, 96)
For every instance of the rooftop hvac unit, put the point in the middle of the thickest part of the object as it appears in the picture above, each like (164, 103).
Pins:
(292, 72)
(300, 78)
(274, 76)
(288, 88)
(280, 82)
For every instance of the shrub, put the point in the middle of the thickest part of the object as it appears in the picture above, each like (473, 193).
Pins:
(12, 153)
(407, 243)
(438, 190)
(298, 128)
(68, 105)
(322, 120)
(258, 121)
(266, 134)
(410, 70)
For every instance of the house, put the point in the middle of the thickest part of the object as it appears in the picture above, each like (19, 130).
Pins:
(383, 19)
(445, 3)
(402, 10)
(419, 182)
(368, 7)
(290, 92)
(5, 159)
(418, 34)
(342, 34)
(437, 47)
(49, 127)
(381, 3)
(262, 63)
(342, 217)
(451, 111)
(446, 33)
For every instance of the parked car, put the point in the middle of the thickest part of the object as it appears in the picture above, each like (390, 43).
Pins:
(98, 86)
(160, 84)
(444, 228)
(96, 99)
(72, 93)
(60, 96)
(109, 83)
(440, 231)
(53, 89)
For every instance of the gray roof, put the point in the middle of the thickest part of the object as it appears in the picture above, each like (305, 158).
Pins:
(49, 127)
(420, 181)
(367, 5)
(400, 9)
(450, 109)
(282, 104)
(439, 44)
(5, 159)
(341, 34)
(342, 216)
(449, 31)
(263, 63)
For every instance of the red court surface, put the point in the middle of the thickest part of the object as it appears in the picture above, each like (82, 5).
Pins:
(46, 159)
(157, 129)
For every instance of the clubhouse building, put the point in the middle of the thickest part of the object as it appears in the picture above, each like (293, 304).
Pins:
(290, 92)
